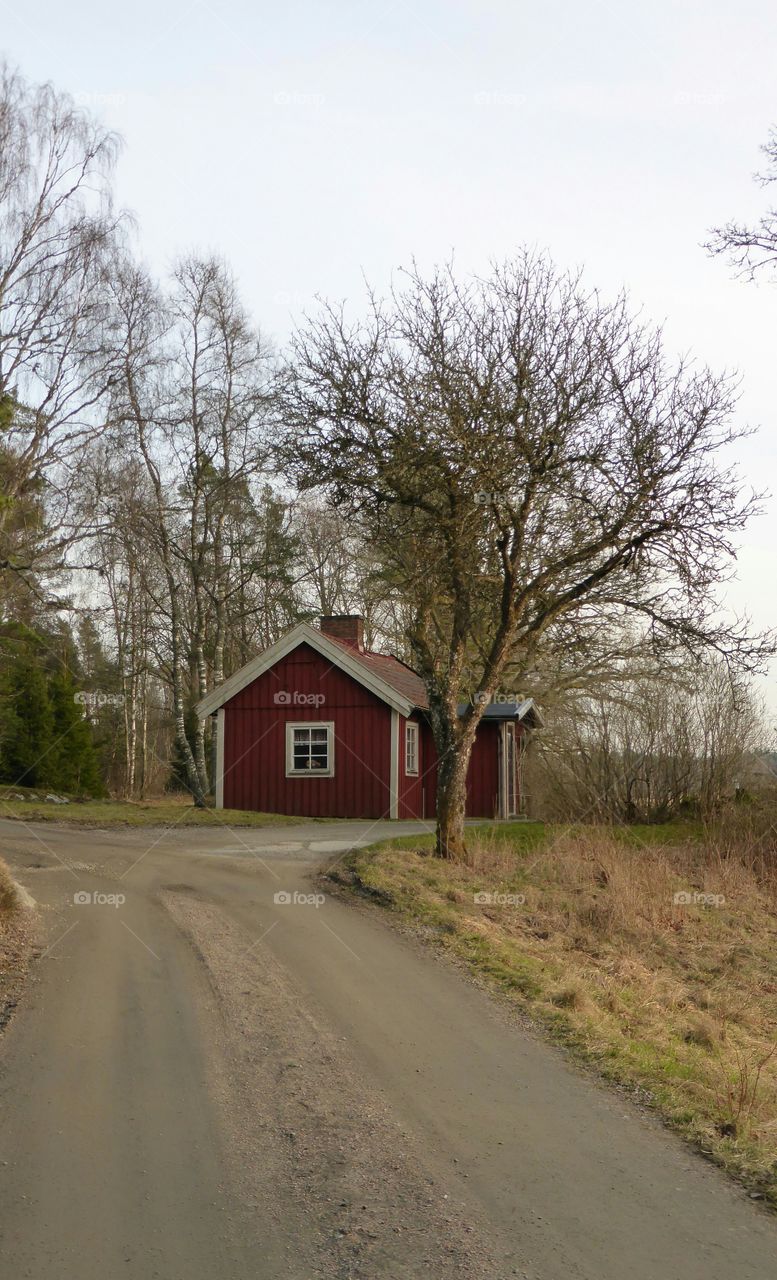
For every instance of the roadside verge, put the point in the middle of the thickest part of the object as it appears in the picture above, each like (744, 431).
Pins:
(653, 963)
(17, 938)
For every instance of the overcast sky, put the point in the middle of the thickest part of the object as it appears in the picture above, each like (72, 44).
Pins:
(312, 144)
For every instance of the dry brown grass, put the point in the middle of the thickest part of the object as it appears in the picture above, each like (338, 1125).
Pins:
(9, 898)
(678, 997)
(17, 937)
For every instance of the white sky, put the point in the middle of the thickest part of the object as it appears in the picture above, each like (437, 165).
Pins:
(311, 143)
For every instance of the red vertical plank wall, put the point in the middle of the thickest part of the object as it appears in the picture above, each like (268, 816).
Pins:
(483, 772)
(304, 687)
(418, 796)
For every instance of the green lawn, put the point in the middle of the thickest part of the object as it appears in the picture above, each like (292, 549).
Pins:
(523, 837)
(171, 811)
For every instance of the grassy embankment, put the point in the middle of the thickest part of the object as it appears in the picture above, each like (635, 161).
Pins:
(170, 811)
(676, 999)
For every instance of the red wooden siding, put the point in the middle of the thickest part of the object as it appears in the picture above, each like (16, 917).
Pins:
(429, 757)
(313, 690)
(418, 796)
(483, 772)
(255, 743)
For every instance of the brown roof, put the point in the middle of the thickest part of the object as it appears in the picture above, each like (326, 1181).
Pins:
(395, 673)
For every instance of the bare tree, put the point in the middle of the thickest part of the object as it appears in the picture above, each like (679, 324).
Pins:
(188, 411)
(522, 453)
(219, 365)
(124, 602)
(57, 238)
(339, 573)
(140, 416)
(752, 249)
(649, 746)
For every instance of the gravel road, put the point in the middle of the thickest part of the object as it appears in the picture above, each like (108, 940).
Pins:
(214, 1073)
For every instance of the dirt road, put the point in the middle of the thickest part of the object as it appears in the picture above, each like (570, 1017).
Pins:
(210, 1078)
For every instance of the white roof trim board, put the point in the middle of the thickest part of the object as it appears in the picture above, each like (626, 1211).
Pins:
(329, 649)
(528, 709)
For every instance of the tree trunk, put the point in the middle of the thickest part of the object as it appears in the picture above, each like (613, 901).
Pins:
(144, 739)
(182, 742)
(218, 678)
(179, 710)
(454, 748)
(200, 754)
(451, 804)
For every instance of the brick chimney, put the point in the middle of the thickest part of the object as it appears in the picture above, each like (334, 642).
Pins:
(345, 627)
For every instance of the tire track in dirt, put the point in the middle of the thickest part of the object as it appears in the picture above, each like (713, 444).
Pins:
(350, 1194)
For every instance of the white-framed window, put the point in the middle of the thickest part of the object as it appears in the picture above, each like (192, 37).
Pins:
(310, 749)
(411, 748)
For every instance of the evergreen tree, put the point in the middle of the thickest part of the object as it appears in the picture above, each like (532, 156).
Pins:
(27, 723)
(45, 740)
(74, 765)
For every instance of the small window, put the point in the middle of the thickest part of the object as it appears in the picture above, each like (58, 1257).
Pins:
(310, 750)
(411, 748)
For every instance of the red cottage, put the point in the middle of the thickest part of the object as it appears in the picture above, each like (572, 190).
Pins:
(320, 727)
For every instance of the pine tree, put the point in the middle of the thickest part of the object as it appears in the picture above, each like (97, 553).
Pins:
(74, 765)
(27, 724)
(45, 740)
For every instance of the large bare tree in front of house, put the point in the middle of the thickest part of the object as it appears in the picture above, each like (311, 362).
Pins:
(523, 453)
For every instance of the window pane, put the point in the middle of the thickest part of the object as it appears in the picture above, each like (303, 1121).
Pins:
(411, 748)
(310, 749)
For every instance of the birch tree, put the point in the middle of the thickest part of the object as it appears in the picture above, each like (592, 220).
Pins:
(219, 365)
(58, 234)
(139, 419)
